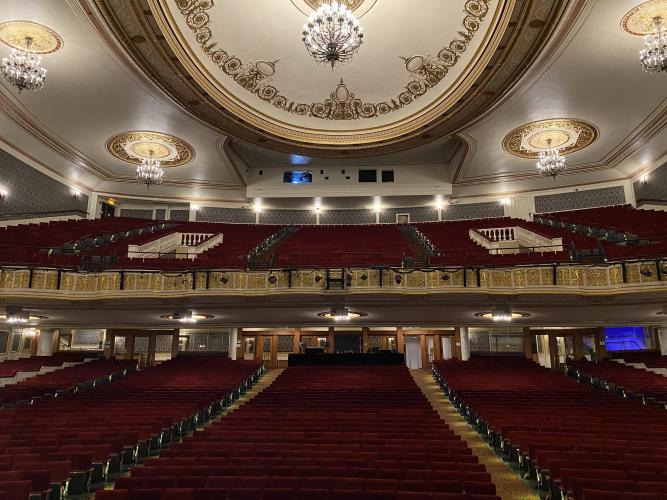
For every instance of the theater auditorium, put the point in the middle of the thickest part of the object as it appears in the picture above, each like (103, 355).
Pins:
(333, 250)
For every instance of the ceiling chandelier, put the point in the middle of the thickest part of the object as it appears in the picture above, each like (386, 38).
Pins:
(332, 34)
(653, 57)
(149, 172)
(23, 68)
(551, 163)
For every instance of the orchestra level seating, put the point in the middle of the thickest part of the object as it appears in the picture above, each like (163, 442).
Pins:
(575, 439)
(319, 432)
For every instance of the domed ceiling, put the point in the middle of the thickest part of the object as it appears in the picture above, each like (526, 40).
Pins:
(421, 73)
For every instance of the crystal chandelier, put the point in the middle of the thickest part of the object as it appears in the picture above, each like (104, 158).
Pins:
(332, 34)
(551, 163)
(23, 68)
(149, 172)
(653, 57)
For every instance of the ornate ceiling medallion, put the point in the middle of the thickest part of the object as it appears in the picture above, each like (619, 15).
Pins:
(565, 134)
(640, 20)
(350, 4)
(138, 145)
(426, 75)
(43, 39)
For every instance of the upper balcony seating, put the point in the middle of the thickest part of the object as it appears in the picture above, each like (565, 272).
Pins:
(78, 438)
(628, 232)
(456, 248)
(649, 359)
(577, 437)
(634, 380)
(323, 432)
(343, 246)
(12, 367)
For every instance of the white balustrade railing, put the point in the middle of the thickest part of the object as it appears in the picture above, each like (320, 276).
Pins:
(499, 240)
(194, 243)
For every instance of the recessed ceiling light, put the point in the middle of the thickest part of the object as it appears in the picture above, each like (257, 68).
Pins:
(514, 315)
(341, 314)
(192, 318)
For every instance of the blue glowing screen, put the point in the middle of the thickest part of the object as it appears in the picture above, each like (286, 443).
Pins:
(305, 177)
(625, 338)
(299, 160)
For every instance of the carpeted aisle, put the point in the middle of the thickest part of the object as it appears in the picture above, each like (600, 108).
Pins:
(508, 485)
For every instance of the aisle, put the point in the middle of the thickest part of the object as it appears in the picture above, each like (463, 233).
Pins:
(508, 484)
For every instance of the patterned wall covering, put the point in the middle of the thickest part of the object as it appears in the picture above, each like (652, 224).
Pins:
(207, 341)
(4, 340)
(87, 337)
(347, 217)
(16, 342)
(136, 213)
(286, 343)
(575, 200)
(655, 189)
(140, 345)
(417, 214)
(32, 192)
(119, 345)
(163, 343)
(267, 344)
(479, 342)
(230, 215)
(287, 217)
(160, 213)
(27, 342)
(180, 215)
(463, 211)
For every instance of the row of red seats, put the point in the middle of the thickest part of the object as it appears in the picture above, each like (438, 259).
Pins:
(569, 436)
(78, 439)
(650, 359)
(11, 368)
(335, 431)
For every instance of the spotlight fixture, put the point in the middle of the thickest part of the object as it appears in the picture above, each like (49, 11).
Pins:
(318, 278)
(224, 280)
(653, 57)
(645, 271)
(363, 277)
(444, 277)
(272, 279)
(398, 279)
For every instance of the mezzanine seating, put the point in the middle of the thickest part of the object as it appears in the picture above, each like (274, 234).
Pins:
(67, 443)
(569, 435)
(319, 432)
(13, 367)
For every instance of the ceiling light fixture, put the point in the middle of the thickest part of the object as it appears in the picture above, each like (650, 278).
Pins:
(551, 163)
(332, 35)
(502, 314)
(23, 68)
(186, 316)
(16, 316)
(653, 57)
(149, 172)
(338, 313)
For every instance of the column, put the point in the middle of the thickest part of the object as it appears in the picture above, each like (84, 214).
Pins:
(400, 340)
(297, 339)
(129, 346)
(662, 340)
(33, 344)
(447, 351)
(578, 346)
(600, 347)
(150, 358)
(192, 213)
(423, 346)
(465, 343)
(364, 339)
(174, 343)
(457, 344)
(330, 339)
(109, 344)
(527, 343)
(233, 337)
(553, 352)
(92, 205)
(437, 348)
(240, 344)
(45, 341)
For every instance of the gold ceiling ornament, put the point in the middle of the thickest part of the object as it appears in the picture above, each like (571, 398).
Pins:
(640, 20)
(137, 145)
(566, 134)
(248, 75)
(43, 39)
(350, 4)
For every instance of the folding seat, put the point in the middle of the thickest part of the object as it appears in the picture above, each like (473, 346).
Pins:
(178, 494)
(211, 493)
(482, 488)
(382, 484)
(278, 494)
(605, 495)
(225, 482)
(413, 495)
(349, 483)
(192, 482)
(448, 486)
(16, 489)
(346, 494)
(286, 482)
(259, 482)
(312, 494)
(112, 495)
(243, 493)
(456, 496)
(415, 485)
(144, 494)
(317, 483)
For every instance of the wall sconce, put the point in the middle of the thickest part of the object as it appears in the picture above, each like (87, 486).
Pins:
(3, 194)
(75, 193)
(644, 180)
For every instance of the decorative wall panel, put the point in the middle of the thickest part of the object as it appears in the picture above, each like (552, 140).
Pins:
(16, 342)
(417, 214)
(87, 337)
(34, 194)
(179, 215)
(462, 211)
(655, 188)
(160, 213)
(287, 217)
(119, 345)
(576, 200)
(136, 213)
(347, 217)
(229, 215)
(207, 341)
(4, 340)
(163, 343)
(286, 343)
(140, 345)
